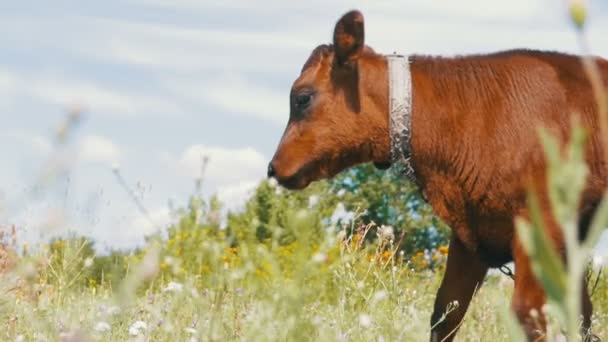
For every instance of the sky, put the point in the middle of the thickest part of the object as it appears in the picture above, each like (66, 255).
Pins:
(164, 82)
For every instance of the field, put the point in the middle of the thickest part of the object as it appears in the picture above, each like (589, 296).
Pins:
(193, 284)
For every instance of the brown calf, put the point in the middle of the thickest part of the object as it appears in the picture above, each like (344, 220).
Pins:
(474, 146)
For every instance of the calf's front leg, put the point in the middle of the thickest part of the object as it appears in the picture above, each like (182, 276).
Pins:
(464, 273)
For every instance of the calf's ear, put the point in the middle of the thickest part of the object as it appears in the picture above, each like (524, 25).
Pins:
(349, 37)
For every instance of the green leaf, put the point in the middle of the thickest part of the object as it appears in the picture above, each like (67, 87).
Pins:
(546, 263)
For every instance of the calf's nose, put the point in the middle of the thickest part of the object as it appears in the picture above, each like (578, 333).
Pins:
(271, 172)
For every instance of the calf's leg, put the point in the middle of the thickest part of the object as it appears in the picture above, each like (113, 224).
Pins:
(463, 275)
(528, 296)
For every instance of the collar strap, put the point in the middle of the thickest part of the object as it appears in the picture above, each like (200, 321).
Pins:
(400, 112)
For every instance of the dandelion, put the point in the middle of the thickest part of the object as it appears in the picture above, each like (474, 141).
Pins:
(365, 320)
(137, 328)
(173, 287)
(88, 262)
(385, 233)
(102, 326)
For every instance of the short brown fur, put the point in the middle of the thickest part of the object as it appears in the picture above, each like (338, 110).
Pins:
(474, 143)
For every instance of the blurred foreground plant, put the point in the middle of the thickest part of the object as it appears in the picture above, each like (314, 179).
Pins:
(567, 175)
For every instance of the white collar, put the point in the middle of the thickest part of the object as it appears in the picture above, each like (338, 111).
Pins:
(400, 112)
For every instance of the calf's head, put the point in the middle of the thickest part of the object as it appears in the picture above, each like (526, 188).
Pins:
(338, 110)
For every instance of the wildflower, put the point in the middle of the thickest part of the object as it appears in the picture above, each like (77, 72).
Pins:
(102, 326)
(137, 328)
(365, 320)
(598, 261)
(443, 250)
(578, 13)
(380, 295)
(88, 262)
(340, 192)
(313, 200)
(340, 215)
(385, 233)
(319, 258)
(173, 287)
(273, 182)
(19, 338)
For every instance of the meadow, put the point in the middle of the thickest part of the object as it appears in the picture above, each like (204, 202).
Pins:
(289, 267)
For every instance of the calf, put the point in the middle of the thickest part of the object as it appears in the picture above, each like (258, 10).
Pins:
(468, 136)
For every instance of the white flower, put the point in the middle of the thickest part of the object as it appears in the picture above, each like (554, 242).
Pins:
(173, 287)
(102, 326)
(598, 261)
(340, 215)
(365, 320)
(137, 328)
(340, 192)
(319, 258)
(88, 262)
(380, 295)
(190, 331)
(385, 233)
(19, 338)
(273, 182)
(313, 200)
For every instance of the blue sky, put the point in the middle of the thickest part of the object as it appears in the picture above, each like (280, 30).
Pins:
(166, 81)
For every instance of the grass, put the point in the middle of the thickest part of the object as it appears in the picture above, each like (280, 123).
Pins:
(332, 290)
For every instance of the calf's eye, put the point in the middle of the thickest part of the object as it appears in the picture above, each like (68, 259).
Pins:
(302, 101)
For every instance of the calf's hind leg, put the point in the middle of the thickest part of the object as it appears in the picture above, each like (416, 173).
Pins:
(463, 275)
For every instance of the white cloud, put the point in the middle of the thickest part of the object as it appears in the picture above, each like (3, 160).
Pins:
(185, 49)
(38, 144)
(98, 149)
(131, 230)
(226, 165)
(237, 95)
(234, 196)
(95, 98)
